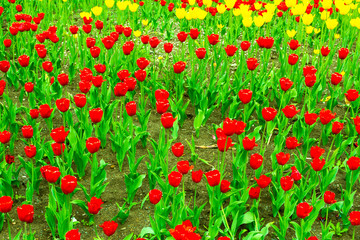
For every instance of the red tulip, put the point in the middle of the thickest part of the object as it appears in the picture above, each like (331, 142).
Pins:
(310, 80)
(63, 104)
(213, 39)
(142, 63)
(336, 78)
(326, 116)
(30, 151)
(73, 29)
(90, 42)
(109, 227)
(231, 50)
(222, 142)
(239, 127)
(100, 68)
(245, 45)
(58, 148)
(252, 64)
(99, 25)
(183, 167)
(354, 218)
(50, 173)
(26, 213)
(87, 28)
(174, 178)
(286, 183)
(73, 235)
(7, 43)
(263, 181)
(256, 161)
(194, 33)
(353, 163)
(254, 192)
(200, 53)
(94, 206)
(196, 176)
(293, 44)
(310, 118)
(155, 196)
(5, 137)
(168, 47)
(292, 59)
(285, 84)
(352, 95)
(213, 178)
(45, 111)
(224, 186)
(4, 66)
(182, 36)
(179, 67)
(337, 127)
(295, 174)
(27, 131)
(282, 158)
(9, 160)
(120, 89)
(24, 60)
(167, 120)
(325, 51)
(329, 197)
(177, 149)
(68, 184)
(317, 164)
(131, 108)
(63, 79)
(161, 94)
(145, 39)
(80, 100)
(162, 106)
(47, 66)
(154, 42)
(108, 42)
(292, 143)
(290, 111)
(128, 47)
(6, 204)
(249, 144)
(268, 113)
(303, 210)
(96, 115)
(93, 144)
(245, 95)
(343, 53)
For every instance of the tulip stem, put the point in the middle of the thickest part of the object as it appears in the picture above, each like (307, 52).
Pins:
(8, 222)
(262, 138)
(327, 215)
(195, 196)
(353, 237)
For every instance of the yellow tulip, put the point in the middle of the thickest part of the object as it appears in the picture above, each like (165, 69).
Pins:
(230, 3)
(247, 22)
(299, 9)
(160, 58)
(64, 0)
(221, 8)
(344, 9)
(259, 21)
(85, 14)
(309, 29)
(290, 3)
(137, 33)
(355, 22)
(268, 16)
(133, 7)
(208, 3)
(257, 6)
(316, 51)
(189, 16)
(122, 5)
(109, 3)
(75, 36)
(307, 19)
(192, 2)
(270, 7)
(201, 14)
(316, 30)
(277, 2)
(325, 15)
(180, 13)
(145, 22)
(236, 12)
(291, 33)
(353, 6)
(331, 23)
(326, 4)
(96, 10)
(220, 26)
(337, 36)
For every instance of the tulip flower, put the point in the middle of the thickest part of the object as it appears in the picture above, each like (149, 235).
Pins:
(295, 174)
(62, 104)
(252, 64)
(343, 53)
(286, 183)
(27, 131)
(177, 149)
(221, 142)
(256, 161)
(50, 173)
(326, 116)
(131, 108)
(200, 53)
(142, 63)
(194, 33)
(182, 36)
(213, 39)
(179, 67)
(245, 95)
(248, 143)
(285, 84)
(6, 204)
(352, 95)
(303, 210)
(59, 134)
(293, 44)
(354, 218)
(96, 115)
(30, 151)
(254, 192)
(183, 167)
(230, 50)
(263, 181)
(5, 137)
(93, 144)
(155, 196)
(161, 94)
(196, 176)
(154, 42)
(268, 113)
(68, 184)
(167, 120)
(24, 60)
(245, 45)
(120, 89)
(282, 158)
(26, 213)
(174, 178)
(80, 100)
(224, 186)
(353, 163)
(94, 206)
(73, 235)
(213, 178)
(329, 197)
(109, 227)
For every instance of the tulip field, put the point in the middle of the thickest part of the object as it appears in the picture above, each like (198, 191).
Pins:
(179, 119)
